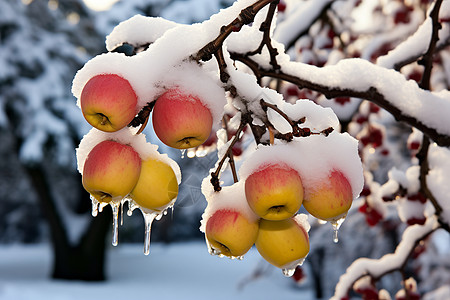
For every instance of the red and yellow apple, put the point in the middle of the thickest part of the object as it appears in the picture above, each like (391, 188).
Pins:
(275, 192)
(282, 243)
(157, 185)
(329, 199)
(111, 171)
(108, 102)
(181, 120)
(230, 232)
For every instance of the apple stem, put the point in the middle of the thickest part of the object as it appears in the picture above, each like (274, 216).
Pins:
(104, 120)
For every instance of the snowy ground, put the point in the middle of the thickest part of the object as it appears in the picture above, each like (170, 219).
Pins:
(175, 271)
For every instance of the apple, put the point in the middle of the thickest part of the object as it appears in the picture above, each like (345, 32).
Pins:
(181, 120)
(284, 243)
(157, 185)
(330, 199)
(108, 102)
(111, 171)
(274, 192)
(230, 233)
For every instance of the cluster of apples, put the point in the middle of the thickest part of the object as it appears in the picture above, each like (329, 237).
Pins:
(180, 120)
(275, 193)
(231, 229)
(114, 171)
(118, 164)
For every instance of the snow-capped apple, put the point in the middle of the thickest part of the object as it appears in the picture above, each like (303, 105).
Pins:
(284, 243)
(181, 120)
(108, 102)
(111, 171)
(231, 233)
(329, 199)
(157, 185)
(274, 192)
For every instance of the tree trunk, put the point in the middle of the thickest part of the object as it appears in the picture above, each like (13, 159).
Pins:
(86, 259)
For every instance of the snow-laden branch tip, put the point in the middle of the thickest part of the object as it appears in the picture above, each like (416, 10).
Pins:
(389, 262)
(415, 46)
(299, 21)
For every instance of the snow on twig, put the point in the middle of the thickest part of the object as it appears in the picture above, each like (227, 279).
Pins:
(376, 268)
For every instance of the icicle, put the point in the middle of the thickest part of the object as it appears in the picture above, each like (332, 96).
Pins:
(121, 211)
(95, 204)
(115, 209)
(288, 272)
(336, 225)
(131, 207)
(148, 219)
(289, 269)
(183, 151)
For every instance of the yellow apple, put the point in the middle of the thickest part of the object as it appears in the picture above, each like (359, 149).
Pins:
(111, 171)
(108, 102)
(282, 243)
(157, 185)
(329, 199)
(231, 233)
(181, 120)
(274, 192)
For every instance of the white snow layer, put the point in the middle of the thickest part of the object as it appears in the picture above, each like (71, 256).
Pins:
(391, 261)
(313, 157)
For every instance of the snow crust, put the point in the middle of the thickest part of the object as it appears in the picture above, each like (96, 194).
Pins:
(125, 31)
(359, 75)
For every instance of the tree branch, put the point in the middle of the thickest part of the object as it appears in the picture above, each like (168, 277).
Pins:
(246, 16)
(371, 93)
(377, 268)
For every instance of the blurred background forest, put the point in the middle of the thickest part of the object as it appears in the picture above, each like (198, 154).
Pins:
(42, 45)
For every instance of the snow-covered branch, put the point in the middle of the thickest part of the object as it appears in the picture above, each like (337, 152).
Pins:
(359, 78)
(377, 268)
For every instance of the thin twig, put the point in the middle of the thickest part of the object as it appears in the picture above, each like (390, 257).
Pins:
(143, 115)
(228, 154)
(245, 17)
(427, 60)
(266, 40)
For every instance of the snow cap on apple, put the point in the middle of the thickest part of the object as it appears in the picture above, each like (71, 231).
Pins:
(230, 226)
(328, 166)
(124, 136)
(108, 102)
